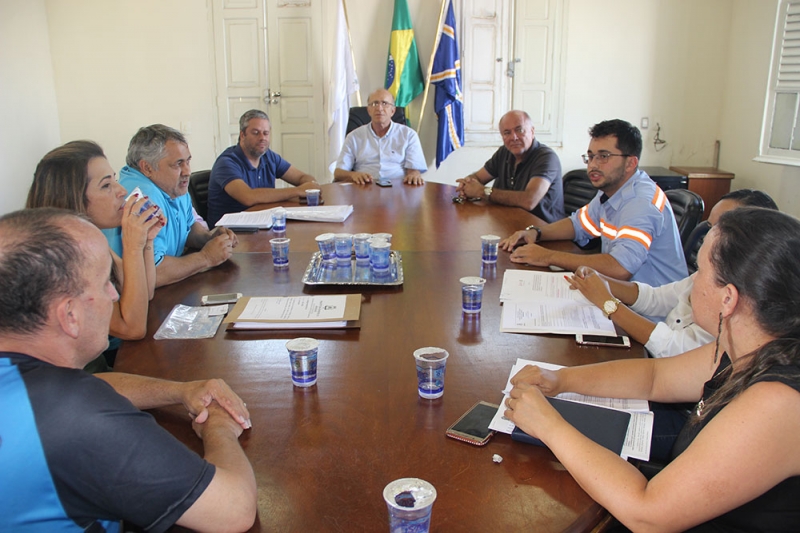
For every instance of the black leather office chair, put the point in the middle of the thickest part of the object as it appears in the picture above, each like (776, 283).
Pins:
(359, 117)
(688, 207)
(693, 243)
(579, 191)
(198, 190)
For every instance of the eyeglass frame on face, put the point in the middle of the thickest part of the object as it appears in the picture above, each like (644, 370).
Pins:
(380, 103)
(603, 157)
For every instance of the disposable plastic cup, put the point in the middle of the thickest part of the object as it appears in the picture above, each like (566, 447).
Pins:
(361, 246)
(303, 360)
(312, 197)
(327, 246)
(343, 243)
(385, 236)
(489, 245)
(279, 220)
(410, 502)
(280, 252)
(379, 251)
(136, 193)
(471, 294)
(431, 364)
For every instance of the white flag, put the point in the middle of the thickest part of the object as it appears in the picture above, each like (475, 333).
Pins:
(343, 83)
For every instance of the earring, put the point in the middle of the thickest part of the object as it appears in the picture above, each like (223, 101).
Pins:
(716, 344)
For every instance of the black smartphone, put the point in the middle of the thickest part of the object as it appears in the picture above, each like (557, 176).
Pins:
(473, 426)
(383, 183)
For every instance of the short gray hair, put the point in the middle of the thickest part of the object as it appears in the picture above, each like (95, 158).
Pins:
(250, 115)
(149, 144)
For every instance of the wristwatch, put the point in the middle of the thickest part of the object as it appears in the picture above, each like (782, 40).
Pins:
(487, 193)
(610, 307)
(538, 232)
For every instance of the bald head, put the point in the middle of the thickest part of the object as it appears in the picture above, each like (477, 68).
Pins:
(380, 107)
(516, 128)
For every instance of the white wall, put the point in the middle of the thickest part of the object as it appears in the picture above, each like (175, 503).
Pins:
(697, 67)
(128, 63)
(743, 106)
(28, 114)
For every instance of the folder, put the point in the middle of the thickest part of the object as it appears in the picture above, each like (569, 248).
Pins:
(606, 427)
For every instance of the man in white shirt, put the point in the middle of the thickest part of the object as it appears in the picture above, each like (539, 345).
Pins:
(381, 149)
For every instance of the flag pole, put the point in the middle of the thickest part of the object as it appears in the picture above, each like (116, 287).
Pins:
(430, 63)
(352, 52)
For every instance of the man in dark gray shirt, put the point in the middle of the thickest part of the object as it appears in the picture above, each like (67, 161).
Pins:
(526, 173)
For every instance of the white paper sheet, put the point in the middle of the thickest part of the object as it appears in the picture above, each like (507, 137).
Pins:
(295, 308)
(640, 428)
(565, 317)
(536, 286)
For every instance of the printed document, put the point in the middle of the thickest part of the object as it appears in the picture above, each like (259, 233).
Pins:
(640, 429)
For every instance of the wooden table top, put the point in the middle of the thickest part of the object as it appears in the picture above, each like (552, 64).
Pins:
(323, 455)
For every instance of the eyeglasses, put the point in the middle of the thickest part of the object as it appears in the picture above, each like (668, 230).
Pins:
(379, 103)
(601, 157)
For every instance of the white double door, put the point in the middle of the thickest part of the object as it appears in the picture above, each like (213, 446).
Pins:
(268, 56)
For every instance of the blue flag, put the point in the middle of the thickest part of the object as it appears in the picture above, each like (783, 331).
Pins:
(446, 75)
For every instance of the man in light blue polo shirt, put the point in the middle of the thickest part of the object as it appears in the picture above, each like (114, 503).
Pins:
(381, 149)
(245, 174)
(159, 164)
(631, 215)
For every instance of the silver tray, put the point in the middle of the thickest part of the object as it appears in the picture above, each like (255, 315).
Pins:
(320, 272)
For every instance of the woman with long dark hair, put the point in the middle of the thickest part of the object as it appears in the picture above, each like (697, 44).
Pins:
(736, 464)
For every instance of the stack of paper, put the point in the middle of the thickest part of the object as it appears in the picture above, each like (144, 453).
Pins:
(542, 302)
(640, 428)
(263, 219)
(296, 312)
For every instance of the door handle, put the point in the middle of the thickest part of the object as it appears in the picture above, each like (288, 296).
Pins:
(272, 97)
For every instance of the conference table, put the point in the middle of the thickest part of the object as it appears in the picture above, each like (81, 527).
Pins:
(323, 455)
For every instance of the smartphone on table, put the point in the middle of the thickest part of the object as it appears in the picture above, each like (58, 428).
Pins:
(219, 299)
(383, 183)
(473, 426)
(620, 341)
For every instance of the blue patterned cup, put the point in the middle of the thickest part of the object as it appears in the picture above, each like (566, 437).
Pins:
(312, 197)
(303, 360)
(327, 246)
(489, 248)
(279, 220)
(410, 502)
(361, 246)
(343, 242)
(431, 364)
(472, 294)
(280, 252)
(379, 251)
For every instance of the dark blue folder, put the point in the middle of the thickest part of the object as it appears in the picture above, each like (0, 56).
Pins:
(607, 427)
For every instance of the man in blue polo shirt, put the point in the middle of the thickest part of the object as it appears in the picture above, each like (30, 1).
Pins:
(631, 215)
(244, 175)
(76, 452)
(159, 164)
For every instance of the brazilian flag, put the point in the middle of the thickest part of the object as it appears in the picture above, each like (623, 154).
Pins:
(403, 73)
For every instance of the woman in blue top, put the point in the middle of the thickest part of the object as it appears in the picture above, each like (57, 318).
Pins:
(736, 464)
(77, 176)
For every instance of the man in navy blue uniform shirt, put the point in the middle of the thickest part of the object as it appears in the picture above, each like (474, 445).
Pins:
(76, 452)
(245, 174)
